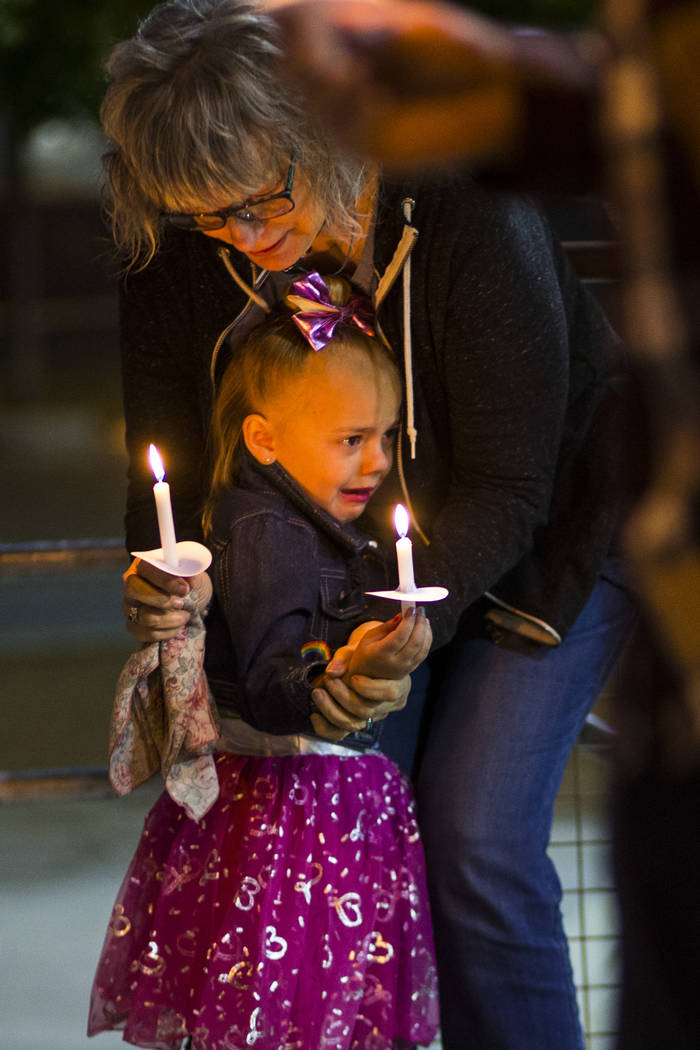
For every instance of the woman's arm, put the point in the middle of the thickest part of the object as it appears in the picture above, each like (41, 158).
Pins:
(162, 385)
(171, 314)
(502, 357)
(511, 356)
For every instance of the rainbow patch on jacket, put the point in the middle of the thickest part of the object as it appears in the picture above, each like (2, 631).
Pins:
(317, 650)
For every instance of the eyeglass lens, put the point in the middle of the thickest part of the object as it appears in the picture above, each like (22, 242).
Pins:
(257, 211)
(249, 213)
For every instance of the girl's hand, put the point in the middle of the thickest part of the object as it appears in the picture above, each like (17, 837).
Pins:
(153, 600)
(370, 676)
(388, 650)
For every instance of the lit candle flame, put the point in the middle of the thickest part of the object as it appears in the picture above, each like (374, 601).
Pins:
(156, 463)
(401, 519)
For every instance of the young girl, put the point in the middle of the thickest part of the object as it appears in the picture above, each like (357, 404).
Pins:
(293, 916)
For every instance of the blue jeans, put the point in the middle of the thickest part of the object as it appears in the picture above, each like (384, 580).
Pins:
(500, 734)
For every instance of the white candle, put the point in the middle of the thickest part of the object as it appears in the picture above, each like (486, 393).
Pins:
(404, 555)
(164, 510)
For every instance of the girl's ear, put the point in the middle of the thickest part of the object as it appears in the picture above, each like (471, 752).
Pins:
(259, 438)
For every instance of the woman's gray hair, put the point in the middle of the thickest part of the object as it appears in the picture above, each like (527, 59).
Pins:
(196, 109)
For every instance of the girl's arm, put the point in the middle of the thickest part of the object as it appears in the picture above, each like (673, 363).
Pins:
(270, 603)
(267, 583)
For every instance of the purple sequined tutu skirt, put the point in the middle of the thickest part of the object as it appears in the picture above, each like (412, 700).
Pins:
(293, 916)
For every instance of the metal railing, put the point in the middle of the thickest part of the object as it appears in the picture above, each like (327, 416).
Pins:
(26, 559)
(19, 559)
(29, 784)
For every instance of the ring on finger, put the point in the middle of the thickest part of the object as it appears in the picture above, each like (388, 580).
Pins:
(134, 613)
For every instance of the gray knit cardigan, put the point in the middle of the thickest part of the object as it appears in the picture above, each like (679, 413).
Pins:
(516, 381)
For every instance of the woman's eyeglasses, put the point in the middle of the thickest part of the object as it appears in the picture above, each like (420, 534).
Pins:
(249, 212)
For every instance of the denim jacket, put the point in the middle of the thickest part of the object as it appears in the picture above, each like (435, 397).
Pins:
(285, 574)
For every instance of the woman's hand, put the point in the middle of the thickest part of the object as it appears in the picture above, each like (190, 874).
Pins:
(341, 710)
(153, 601)
(425, 83)
(370, 676)
(405, 84)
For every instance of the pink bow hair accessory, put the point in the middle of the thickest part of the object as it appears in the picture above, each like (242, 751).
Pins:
(317, 315)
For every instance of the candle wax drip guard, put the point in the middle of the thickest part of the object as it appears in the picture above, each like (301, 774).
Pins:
(193, 558)
(420, 594)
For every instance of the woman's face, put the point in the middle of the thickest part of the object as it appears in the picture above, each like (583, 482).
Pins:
(276, 243)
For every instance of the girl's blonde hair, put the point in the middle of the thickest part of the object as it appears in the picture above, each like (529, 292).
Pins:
(274, 352)
(195, 110)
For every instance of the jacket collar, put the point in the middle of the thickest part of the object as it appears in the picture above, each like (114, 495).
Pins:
(275, 481)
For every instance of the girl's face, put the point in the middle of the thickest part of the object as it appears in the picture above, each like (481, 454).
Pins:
(276, 243)
(332, 429)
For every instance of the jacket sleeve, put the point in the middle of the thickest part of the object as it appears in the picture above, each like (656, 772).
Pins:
(501, 351)
(267, 584)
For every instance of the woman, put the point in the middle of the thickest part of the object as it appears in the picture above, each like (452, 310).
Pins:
(222, 187)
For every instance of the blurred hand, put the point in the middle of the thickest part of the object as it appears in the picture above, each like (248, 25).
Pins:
(407, 84)
(153, 601)
(422, 83)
